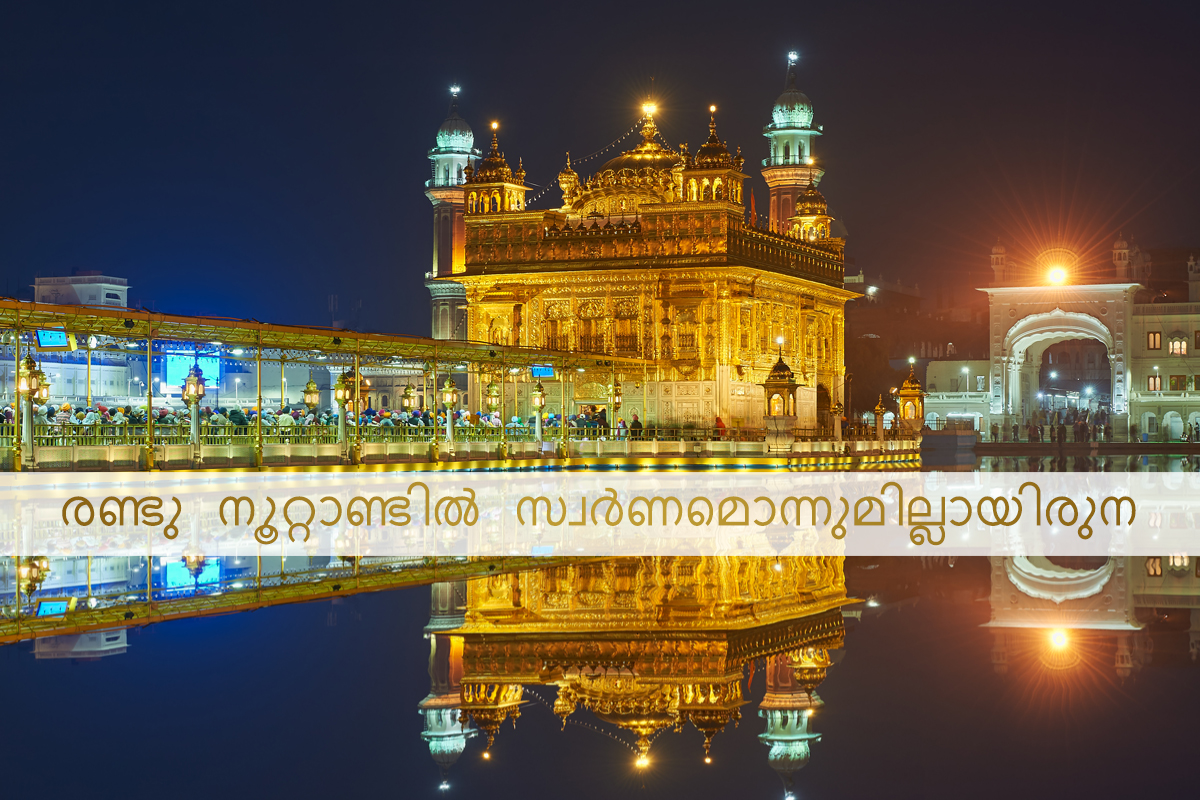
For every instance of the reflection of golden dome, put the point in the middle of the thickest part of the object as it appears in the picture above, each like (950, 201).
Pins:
(711, 721)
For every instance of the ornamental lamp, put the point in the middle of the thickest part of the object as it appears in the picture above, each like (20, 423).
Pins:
(30, 377)
(341, 390)
(408, 400)
(32, 573)
(193, 385)
(616, 396)
(312, 395)
(493, 396)
(539, 396)
(449, 392)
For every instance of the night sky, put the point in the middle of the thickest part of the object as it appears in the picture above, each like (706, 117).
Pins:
(250, 159)
(319, 700)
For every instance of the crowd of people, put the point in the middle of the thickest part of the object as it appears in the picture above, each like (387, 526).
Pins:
(81, 419)
(1060, 426)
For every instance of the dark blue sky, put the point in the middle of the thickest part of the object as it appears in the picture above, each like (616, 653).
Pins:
(249, 159)
(280, 703)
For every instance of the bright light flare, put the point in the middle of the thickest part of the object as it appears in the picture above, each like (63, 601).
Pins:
(642, 762)
(487, 754)
(495, 126)
(454, 90)
(712, 109)
(793, 57)
(649, 109)
(1058, 639)
(708, 759)
(1057, 275)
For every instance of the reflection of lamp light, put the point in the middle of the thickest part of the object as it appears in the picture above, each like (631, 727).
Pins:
(32, 573)
(194, 561)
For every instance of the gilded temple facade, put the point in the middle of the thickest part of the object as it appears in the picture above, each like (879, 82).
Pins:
(653, 257)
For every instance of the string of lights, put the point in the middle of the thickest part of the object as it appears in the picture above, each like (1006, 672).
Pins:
(582, 724)
(608, 147)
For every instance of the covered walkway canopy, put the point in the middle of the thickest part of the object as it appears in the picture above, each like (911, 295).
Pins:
(113, 329)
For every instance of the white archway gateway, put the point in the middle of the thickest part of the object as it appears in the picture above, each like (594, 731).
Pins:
(1025, 320)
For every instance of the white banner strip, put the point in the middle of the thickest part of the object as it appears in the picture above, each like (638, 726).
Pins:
(600, 513)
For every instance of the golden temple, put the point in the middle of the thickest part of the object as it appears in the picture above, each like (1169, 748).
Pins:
(653, 256)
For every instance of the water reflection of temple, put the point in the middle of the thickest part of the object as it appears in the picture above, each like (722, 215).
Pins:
(651, 644)
(1049, 610)
(445, 731)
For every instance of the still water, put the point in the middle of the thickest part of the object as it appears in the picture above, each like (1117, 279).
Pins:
(824, 678)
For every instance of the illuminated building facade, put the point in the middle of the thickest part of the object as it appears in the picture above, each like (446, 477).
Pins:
(1135, 333)
(652, 257)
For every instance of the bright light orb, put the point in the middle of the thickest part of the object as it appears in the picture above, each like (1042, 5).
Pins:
(778, 340)
(793, 57)
(454, 90)
(708, 759)
(642, 762)
(649, 109)
(712, 109)
(486, 754)
(810, 161)
(1057, 275)
(1058, 639)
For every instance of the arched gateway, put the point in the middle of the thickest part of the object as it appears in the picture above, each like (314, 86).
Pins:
(1026, 320)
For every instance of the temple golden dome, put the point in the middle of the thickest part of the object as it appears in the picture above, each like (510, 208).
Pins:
(781, 372)
(713, 153)
(912, 382)
(811, 202)
(647, 155)
(493, 168)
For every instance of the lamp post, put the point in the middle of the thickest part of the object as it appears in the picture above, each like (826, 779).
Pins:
(449, 399)
(341, 396)
(539, 402)
(193, 393)
(31, 386)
